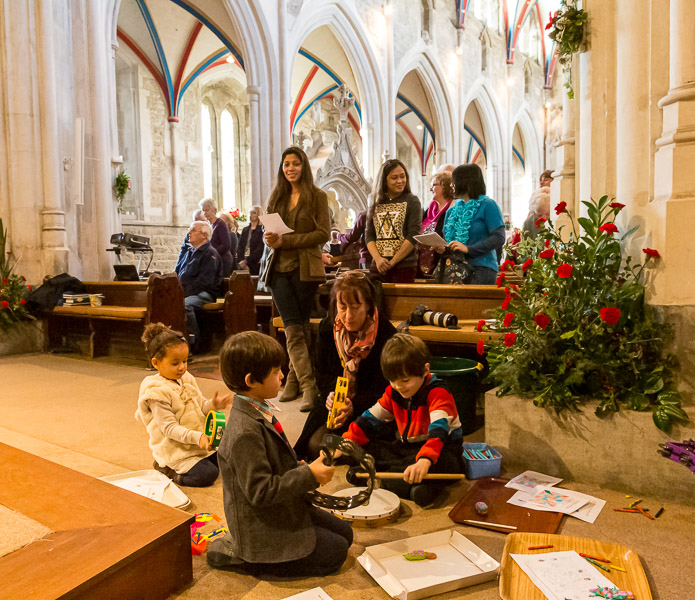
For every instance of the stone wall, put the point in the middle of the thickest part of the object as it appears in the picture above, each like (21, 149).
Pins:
(165, 241)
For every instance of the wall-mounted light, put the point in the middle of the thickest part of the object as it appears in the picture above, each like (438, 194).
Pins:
(419, 126)
(230, 59)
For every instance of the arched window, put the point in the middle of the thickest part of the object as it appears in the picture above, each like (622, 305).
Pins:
(208, 150)
(227, 159)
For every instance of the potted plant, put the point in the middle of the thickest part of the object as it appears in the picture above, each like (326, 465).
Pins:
(13, 288)
(567, 31)
(121, 185)
(578, 327)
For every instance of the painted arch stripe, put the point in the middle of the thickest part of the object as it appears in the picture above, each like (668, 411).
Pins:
(154, 36)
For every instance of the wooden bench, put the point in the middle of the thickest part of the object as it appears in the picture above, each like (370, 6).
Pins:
(127, 307)
(469, 303)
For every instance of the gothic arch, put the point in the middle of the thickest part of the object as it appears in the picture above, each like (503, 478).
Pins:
(532, 140)
(348, 30)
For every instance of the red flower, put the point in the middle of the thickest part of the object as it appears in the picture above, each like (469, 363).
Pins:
(509, 339)
(505, 303)
(564, 270)
(480, 347)
(542, 320)
(4, 281)
(28, 286)
(549, 253)
(514, 287)
(22, 301)
(508, 318)
(616, 205)
(5, 303)
(540, 221)
(552, 19)
(547, 243)
(651, 253)
(609, 228)
(500, 279)
(526, 265)
(481, 324)
(505, 264)
(610, 315)
(560, 208)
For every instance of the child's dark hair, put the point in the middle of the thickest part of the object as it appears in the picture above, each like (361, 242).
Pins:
(249, 352)
(404, 355)
(158, 338)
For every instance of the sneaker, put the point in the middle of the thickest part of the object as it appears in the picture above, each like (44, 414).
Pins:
(423, 494)
(220, 554)
(168, 471)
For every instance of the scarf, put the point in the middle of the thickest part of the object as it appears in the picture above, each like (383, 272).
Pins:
(458, 219)
(352, 347)
(432, 215)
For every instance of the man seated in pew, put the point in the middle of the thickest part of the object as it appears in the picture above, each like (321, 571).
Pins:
(349, 344)
(429, 436)
(199, 268)
(197, 215)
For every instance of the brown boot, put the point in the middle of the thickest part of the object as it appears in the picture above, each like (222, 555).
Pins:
(291, 390)
(301, 360)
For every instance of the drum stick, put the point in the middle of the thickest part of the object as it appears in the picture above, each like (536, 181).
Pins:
(388, 475)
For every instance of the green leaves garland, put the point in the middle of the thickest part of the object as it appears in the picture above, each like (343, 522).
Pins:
(567, 31)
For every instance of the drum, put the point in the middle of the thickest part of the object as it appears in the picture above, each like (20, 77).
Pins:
(214, 427)
(383, 508)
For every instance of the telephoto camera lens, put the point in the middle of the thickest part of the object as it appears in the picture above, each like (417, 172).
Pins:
(439, 319)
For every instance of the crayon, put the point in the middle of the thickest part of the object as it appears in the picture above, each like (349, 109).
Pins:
(617, 568)
(598, 564)
(540, 547)
(658, 512)
(594, 557)
(646, 514)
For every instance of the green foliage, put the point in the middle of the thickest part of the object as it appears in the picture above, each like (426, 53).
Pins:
(568, 33)
(13, 288)
(583, 329)
(121, 185)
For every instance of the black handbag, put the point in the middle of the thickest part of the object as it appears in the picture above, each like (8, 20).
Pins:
(453, 268)
(266, 269)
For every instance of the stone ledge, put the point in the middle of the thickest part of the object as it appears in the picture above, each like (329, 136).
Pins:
(23, 338)
(618, 453)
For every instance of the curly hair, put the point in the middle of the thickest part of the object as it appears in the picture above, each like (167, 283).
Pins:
(158, 338)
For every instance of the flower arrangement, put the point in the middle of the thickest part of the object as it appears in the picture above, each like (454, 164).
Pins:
(13, 287)
(567, 31)
(579, 327)
(121, 185)
(235, 213)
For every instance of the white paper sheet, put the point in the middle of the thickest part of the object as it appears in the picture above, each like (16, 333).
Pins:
(550, 499)
(312, 594)
(562, 575)
(431, 239)
(273, 223)
(154, 490)
(530, 479)
(588, 510)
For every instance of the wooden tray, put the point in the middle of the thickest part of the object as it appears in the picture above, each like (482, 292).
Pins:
(491, 490)
(515, 584)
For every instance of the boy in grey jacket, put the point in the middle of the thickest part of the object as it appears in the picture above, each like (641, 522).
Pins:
(273, 529)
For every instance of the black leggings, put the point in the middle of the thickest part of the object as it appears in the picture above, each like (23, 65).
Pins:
(333, 539)
(202, 474)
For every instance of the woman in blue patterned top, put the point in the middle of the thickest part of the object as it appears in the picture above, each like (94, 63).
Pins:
(473, 230)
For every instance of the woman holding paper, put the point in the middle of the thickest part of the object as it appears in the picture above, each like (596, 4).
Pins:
(473, 230)
(433, 220)
(394, 219)
(296, 269)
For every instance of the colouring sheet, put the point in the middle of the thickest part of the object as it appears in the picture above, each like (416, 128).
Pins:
(528, 480)
(586, 509)
(562, 575)
(551, 499)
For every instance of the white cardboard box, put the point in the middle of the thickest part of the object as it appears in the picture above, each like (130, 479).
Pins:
(459, 563)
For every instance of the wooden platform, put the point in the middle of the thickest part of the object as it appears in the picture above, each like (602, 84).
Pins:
(107, 543)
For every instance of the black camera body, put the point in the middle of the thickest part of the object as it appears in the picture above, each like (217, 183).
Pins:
(424, 316)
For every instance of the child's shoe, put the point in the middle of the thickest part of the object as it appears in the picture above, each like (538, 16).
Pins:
(168, 471)
(220, 554)
(423, 494)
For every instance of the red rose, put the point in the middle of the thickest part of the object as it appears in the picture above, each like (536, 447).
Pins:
(480, 347)
(527, 265)
(651, 253)
(505, 303)
(616, 205)
(22, 301)
(564, 270)
(505, 264)
(508, 318)
(542, 320)
(509, 339)
(500, 279)
(540, 221)
(481, 324)
(609, 228)
(514, 287)
(5, 303)
(547, 243)
(4, 281)
(24, 278)
(560, 208)
(549, 253)
(610, 315)
(28, 287)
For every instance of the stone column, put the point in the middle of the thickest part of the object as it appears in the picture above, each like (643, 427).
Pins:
(254, 94)
(177, 204)
(53, 233)
(563, 187)
(674, 185)
(391, 91)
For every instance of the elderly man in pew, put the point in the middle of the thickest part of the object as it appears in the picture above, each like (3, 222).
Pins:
(199, 268)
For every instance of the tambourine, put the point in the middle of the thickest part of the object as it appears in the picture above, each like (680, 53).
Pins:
(383, 507)
(331, 443)
(215, 423)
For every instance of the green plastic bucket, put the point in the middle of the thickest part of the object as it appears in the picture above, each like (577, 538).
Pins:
(461, 376)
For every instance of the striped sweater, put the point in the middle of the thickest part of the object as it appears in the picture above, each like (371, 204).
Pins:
(429, 419)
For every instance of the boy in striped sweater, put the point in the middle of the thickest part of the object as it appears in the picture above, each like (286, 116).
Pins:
(428, 436)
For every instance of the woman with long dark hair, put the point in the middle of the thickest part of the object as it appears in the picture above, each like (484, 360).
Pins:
(473, 230)
(394, 219)
(297, 268)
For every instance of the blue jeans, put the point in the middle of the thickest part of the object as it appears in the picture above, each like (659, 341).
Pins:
(201, 474)
(293, 297)
(482, 276)
(191, 303)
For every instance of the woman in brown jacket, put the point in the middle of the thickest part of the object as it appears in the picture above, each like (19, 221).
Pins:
(297, 268)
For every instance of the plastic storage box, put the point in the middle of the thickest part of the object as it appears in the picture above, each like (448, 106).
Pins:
(489, 467)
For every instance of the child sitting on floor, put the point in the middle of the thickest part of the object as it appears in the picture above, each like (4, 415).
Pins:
(273, 529)
(429, 434)
(173, 410)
